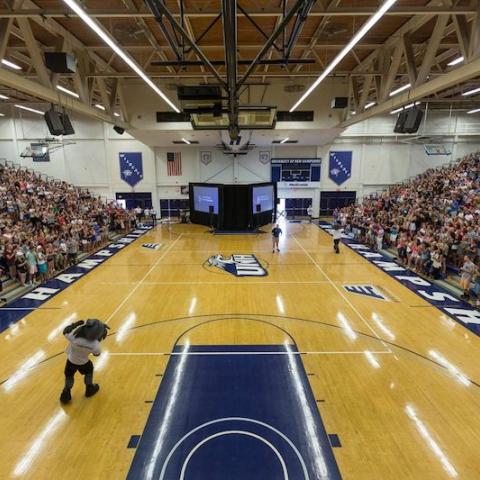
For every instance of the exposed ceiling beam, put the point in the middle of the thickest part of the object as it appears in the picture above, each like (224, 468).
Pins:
(36, 55)
(278, 74)
(442, 82)
(267, 12)
(47, 94)
(318, 46)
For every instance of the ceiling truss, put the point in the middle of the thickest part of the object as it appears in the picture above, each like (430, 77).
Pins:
(183, 50)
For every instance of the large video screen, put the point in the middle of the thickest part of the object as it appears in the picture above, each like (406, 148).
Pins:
(263, 196)
(205, 197)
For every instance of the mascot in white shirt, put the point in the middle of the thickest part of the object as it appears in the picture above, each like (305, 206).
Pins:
(84, 338)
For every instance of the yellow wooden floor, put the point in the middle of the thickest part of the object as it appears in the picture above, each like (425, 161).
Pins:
(398, 414)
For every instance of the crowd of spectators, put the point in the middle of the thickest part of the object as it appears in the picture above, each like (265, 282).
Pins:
(46, 224)
(433, 222)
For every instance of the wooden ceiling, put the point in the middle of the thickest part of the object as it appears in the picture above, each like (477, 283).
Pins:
(328, 28)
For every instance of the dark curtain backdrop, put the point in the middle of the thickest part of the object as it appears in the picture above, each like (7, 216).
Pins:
(236, 207)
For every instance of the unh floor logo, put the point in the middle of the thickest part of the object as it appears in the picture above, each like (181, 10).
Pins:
(239, 265)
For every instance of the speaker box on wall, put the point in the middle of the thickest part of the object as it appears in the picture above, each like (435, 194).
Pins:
(258, 208)
(210, 209)
(67, 124)
(339, 102)
(54, 122)
(414, 118)
(60, 62)
(119, 130)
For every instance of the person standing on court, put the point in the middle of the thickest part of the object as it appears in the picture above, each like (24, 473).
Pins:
(276, 232)
(139, 213)
(153, 216)
(84, 338)
(310, 213)
(337, 235)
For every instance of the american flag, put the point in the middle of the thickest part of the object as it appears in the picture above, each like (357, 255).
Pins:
(174, 164)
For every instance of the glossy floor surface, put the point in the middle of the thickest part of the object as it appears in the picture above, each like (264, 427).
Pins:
(294, 376)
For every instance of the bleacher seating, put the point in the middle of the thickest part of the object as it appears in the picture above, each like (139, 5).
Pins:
(432, 219)
(45, 224)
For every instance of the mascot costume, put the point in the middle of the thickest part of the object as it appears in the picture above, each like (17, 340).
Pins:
(84, 338)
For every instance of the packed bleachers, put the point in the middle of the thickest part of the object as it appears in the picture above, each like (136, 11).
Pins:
(433, 222)
(46, 224)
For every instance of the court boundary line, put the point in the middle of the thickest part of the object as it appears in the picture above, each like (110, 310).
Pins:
(457, 311)
(112, 247)
(404, 349)
(260, 353)
(139, 284)
(232, 282)
(339, 291)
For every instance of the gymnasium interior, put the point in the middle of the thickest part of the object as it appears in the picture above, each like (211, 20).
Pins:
(239, 239)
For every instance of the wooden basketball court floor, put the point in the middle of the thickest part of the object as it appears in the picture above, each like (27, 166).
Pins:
(282, 376)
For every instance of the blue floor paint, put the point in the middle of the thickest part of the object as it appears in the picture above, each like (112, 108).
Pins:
(334, 440)
(133, 442)
(29, 302)
(460, 311)
(236, 413)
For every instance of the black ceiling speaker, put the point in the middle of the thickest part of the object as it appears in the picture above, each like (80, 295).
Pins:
(199, 92)
(60, 62)
(54, 122)
(339, 102)
(400, 122)
(413, 121)
(67, 124)
(119, 130)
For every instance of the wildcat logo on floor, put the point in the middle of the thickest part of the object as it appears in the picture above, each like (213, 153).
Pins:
(239, 265)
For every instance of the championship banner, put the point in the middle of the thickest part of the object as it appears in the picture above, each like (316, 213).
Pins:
(340, 167)
(131, 168)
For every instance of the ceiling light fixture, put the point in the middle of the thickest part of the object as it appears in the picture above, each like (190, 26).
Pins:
(28, 109)
(3, 97)
(369, 105)
(7, 63)
(116, 114)
(471, 92)
(100, 107)
(2, 114)
(400, 89)
(115, 47)
(476, 110)
(285, 140)
(456, 61)
(359, 35)
(184, 140)
(406, 107)
(67, 91)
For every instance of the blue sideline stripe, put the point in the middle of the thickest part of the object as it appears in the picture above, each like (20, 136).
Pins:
(133, 442)
(460, 311)
(234, 417)
(47, 290)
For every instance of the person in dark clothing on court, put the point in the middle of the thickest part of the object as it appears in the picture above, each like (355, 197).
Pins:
(276, 232)
(337, 235)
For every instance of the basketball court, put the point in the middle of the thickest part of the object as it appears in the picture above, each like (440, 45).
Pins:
(209, 375)
(147, 150)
